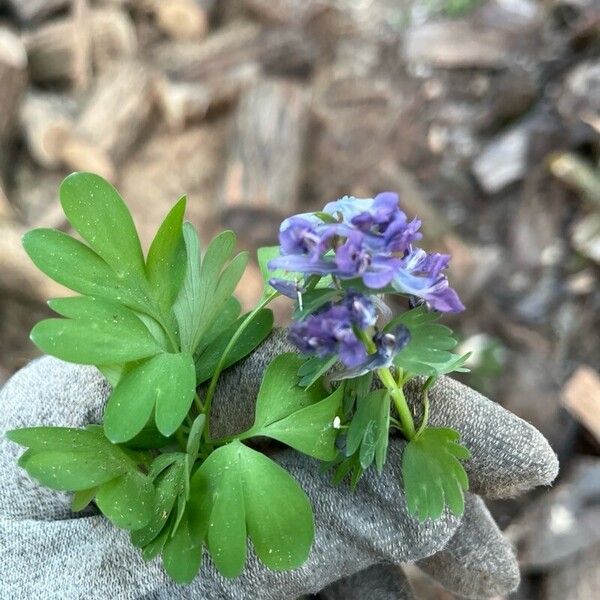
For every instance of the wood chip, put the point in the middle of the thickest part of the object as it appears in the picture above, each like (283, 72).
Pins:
(581, 397)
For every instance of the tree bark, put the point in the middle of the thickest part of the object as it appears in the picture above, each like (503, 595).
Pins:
(265, 156)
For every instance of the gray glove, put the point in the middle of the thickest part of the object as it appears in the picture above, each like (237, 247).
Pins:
(47, 551)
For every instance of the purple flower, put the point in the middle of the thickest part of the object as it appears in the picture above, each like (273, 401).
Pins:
(287, 287)
(370, 240)
(387, 344)
(331, 330)
(362, 310)
(385, 226)
(420, 275)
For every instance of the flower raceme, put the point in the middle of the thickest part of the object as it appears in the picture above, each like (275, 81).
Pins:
(366, 239)
(339, 329)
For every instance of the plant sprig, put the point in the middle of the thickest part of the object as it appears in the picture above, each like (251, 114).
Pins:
(158, 326)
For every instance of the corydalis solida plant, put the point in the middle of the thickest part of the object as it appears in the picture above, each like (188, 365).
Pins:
(158, 326)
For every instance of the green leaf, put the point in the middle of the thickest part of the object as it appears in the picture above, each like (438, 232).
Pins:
(195, 436)
(309, 430)
(90, 343)
(314, 368)
(312, 300)
(182, 554)
(368, 430)
(205, 288)
(155, 547)
(433, 474)
(168, 485)
(128, 500)
(245, 493)
(279, 395)
(74, 265)
(165, 264)
(166, 384)
(427, 353)
(97, 212)
(254, 334)
(226, 318)
(82, 498)
(356, 389)
(78, 460)
(101, 332)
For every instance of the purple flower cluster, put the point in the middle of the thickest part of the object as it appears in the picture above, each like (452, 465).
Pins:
(370, 239)
(332, 330)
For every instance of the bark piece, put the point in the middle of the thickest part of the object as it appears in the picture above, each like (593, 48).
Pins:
(265, 156)
(66, 49)
(182, 19)
(288, 12)
(30, 11)
(183, 101)
(113, 36)
(13, 81)
(47, 120)
(561, 523)
(585, 236)
(581, 397)
(281, 50)
(504, 160)
(112, 120)
(236, 43)
(455, 44)
(167, 166)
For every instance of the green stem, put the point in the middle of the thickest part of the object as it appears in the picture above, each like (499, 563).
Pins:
(221, 365)
(425, 418)
(198, 403)
(395, 389)
(408, 425)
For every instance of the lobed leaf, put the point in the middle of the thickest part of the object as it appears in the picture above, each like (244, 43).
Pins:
(98, 332)
(74, 265)
(182, 553)
(168, 484)
(164, 384)
(309, 430)
(433, 474)
(165, 264)
(230, 491)
(207, 285)
(84, 461)
(368, 432)
(97, 212)
(128, 500)
(254, 334)
(428, 352)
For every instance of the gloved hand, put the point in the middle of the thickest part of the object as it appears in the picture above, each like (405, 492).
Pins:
(47, 551)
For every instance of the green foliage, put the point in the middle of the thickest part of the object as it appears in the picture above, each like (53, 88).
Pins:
(207, 285)
(433, 474)
(256, 331)
(238, 493)
(84, 461)
(368, 431)
(159, 326)
(163, 385)
(313, 369)
(166, 261)
(298, 417)
(428, 352)
(97, 332)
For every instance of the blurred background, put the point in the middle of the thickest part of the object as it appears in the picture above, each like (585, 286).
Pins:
(483, 114)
